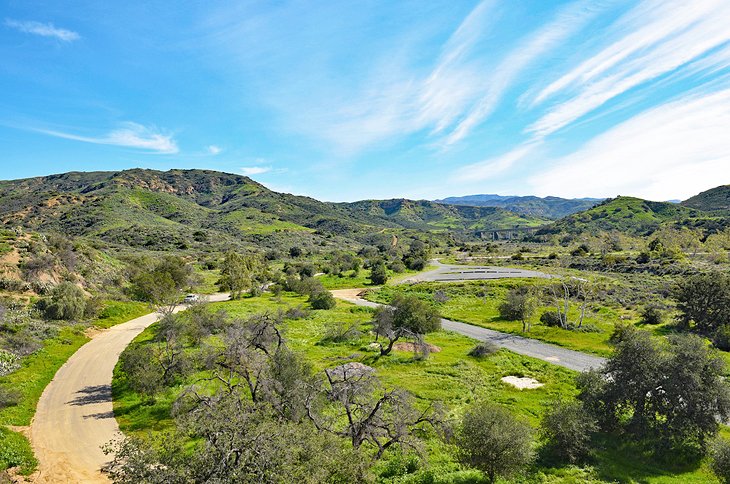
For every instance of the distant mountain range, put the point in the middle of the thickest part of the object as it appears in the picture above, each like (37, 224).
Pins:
(548, 207)
(199, 209)
(210, 211)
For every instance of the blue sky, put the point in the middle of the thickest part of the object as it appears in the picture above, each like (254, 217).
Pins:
(375, 99)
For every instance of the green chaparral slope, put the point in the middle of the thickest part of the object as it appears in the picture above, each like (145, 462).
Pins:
(636, 216)
(178, 209)
(717, 198)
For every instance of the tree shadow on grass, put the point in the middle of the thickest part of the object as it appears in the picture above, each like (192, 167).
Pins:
(92, 394)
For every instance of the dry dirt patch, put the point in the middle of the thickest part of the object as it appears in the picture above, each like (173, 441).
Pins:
(522, 383)
(412, 347)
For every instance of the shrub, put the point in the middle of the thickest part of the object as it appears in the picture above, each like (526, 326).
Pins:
(566, 429)
(550, 318)
(378, 274)
(652, 315)
(720, 460)
(341, 332)
(492, 440)
(322, 300)
(581, 251)
(297, 312)
(9, 362)
(483, 349)
(8, 397)
(67, 302)
(721, 338)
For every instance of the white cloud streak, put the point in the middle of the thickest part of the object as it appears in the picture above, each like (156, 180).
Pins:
(651, 40)
(128, 135)
(672, 151)
(492, 167)
(214, 150)
(567, 23)
(255, 170)
(44, 30)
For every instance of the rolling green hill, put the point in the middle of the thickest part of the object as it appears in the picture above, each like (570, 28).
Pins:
(715, 199)
(195, 208)
(628, 215)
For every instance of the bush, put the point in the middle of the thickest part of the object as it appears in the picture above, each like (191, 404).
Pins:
(9, 362)
(550, 318)
(652, 315)
(322, 300)
(378, 274)
(566, 429)
(721, 338)
(483, 349)
(492, 440)
(8, 397)
(720, 460)
(581, 251)
(341, 332)
(68, 302)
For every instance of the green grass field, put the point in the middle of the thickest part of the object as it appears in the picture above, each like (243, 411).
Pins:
(449, 376)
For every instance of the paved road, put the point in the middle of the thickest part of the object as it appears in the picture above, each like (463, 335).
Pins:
(461, 273)
(74, 417)
(574, 360)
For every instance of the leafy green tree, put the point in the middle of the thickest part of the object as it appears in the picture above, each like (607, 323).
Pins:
(704, 299)
(322, 300)
(407, 316)
(243, 273)
(520, 305)
(417, 256)
(493, 441)
(68, 302)
(566, 430)
(378, 273)
(163, 285)
(670, 394)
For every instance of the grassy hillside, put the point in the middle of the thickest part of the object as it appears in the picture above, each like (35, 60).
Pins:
(628, 215)
(182, 209)
(717, 198)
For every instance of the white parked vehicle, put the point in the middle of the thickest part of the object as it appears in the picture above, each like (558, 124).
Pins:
(190, 298)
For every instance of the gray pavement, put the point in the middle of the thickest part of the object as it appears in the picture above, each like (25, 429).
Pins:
(573, 360)
(461, 273)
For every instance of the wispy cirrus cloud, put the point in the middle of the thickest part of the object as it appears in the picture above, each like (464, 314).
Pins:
(653, 39)
(567, 22)
(42, 29)
(128, 135)
(672, 148)
(214, 149)
(491, 167)
(255, 170)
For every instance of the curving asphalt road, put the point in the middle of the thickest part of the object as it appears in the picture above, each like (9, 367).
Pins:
(574, 360)
(74, 417)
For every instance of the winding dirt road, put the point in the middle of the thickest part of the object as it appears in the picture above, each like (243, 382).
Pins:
(74, 417)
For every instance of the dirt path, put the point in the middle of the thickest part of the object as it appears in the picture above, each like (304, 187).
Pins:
(74, 417)
(574, 360)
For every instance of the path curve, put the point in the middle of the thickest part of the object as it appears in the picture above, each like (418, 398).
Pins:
(573, 360)
(75, 417)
